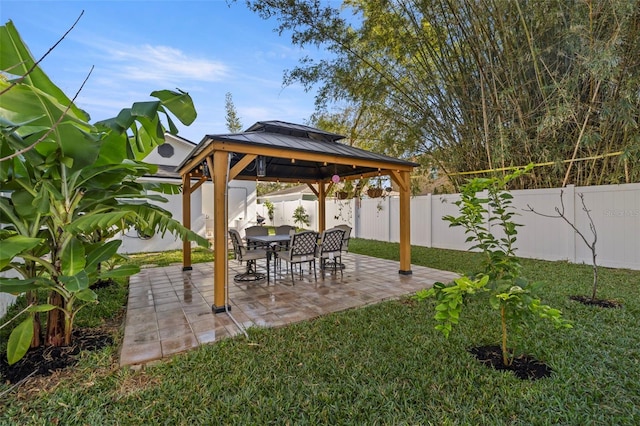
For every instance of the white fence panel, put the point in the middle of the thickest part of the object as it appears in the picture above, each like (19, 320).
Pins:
(615, 210)
(340, 212)
(283, 212)
(421, 220)
(542, 237)
(374, 219)
(443, 236)
(393, 205)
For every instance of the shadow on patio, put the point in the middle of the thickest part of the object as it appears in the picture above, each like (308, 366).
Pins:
(169, 311)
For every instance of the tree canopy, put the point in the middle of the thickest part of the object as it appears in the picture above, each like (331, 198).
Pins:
(481, 85)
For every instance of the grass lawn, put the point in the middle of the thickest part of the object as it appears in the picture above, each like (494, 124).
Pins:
(383, 364)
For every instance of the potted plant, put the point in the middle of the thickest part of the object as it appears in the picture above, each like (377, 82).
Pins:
(374, 192)
(270, 209)
(342, 195)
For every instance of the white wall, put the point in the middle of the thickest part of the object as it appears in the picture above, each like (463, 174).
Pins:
(242, 205)
(181, 149)
(132, 243)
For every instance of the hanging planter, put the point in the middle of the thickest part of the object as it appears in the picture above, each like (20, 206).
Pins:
(374, 192)
(342, 195)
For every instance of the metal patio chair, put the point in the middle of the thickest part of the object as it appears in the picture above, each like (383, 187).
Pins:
(346, 237)
(302, 249)
(243, 254)
(255, 231)
(285, 230)
(329, 250)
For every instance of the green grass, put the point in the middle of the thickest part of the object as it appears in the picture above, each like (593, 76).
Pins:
(383, 364)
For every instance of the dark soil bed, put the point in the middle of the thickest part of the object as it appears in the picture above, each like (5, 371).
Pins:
(602, 303)
(43, 361)
(524, 366)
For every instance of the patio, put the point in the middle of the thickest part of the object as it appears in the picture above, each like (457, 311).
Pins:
(169, 311)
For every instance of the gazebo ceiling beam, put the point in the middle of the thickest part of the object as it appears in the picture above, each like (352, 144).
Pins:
(313, 189)
(306, 156)
(397, 178)
(195, 162)
(199, 183)
(241, 165)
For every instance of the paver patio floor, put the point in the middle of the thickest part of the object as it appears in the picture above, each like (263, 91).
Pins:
(169, 311)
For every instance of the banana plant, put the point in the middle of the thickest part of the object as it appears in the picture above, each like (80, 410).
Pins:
(67, 186)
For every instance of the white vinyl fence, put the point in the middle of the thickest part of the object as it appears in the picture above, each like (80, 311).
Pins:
(615, 210)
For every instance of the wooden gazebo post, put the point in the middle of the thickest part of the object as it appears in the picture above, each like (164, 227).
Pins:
(219, 173)
(403, 180)
(186, 220)
(322, 207)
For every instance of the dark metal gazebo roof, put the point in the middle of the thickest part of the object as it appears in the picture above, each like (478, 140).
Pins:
(296, 152)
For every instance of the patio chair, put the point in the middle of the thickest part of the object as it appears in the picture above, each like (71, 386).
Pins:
(243, 254)
(302, 249)
(255, 231)
(329, 250)
(346, 237)
(285, 230)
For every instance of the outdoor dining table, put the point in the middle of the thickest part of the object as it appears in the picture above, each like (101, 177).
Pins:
(271, 243)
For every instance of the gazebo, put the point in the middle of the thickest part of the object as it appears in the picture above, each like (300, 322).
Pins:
(284, 152)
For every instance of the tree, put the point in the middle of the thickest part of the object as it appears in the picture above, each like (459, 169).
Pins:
(489, 84)
(66, 185)
(234, 125)
(300, 216)
(485, 207)
(561, 214)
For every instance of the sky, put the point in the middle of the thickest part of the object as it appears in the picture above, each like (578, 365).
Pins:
(205, 48)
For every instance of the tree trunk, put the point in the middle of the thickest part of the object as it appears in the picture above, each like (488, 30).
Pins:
(55, 321)
(505, 353)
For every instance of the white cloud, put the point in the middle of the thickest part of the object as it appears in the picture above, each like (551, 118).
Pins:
(163, 64)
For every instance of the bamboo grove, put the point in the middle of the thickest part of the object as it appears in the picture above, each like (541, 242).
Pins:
(480, 85)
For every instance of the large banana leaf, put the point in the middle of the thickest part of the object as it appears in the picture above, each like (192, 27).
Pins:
(19, 340)
(13, 246)
(73, 257)
(151, 131)
(161, 220)
(37, 104)
(16, 59)
(18, 286)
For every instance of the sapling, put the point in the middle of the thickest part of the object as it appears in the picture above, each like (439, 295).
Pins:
(300, 216)
(592, 245)
(507, 291)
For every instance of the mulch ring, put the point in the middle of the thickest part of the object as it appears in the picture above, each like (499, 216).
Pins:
(602, 303)
(525, 367)
(45, 360)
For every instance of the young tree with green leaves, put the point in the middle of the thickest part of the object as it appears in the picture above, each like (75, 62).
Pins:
(486, 215)
(300, 216)
(234, 125)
